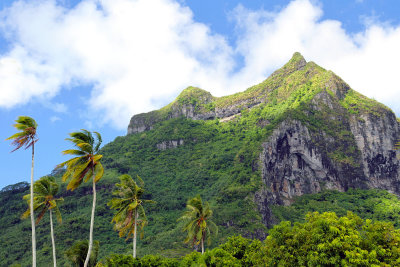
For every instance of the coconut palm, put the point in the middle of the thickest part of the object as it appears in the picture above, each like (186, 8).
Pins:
(45, 189)
(198, 224)
(129, 205)
(85, 165)
(26, 137)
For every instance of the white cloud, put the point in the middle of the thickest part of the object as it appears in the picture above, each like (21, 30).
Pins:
(53, 119)
(137, 53)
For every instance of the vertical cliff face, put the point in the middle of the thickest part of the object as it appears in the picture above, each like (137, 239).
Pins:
(376, 136)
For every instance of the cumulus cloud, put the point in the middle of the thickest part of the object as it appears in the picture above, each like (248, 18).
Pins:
(136, 54)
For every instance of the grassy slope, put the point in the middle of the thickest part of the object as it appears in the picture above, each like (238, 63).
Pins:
(217, 160)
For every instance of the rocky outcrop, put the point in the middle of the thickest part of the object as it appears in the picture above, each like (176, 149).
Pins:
(170, 144)
(376, 137)
(202, 109)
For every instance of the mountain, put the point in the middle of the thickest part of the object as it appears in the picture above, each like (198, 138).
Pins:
(316, 132)
(303, 130)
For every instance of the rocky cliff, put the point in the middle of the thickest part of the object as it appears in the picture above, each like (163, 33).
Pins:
(317, 133)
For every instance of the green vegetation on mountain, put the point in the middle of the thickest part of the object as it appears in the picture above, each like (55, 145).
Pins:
(370, 204)
(180, 158)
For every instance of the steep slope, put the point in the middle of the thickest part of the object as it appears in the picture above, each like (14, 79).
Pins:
(300, 131)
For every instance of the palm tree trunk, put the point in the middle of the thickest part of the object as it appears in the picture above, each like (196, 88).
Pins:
(91, 223)
(32, 212)
(134, 233)
(52, 239)
(202, 244)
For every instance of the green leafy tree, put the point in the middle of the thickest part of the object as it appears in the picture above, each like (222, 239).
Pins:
(44, 200)
(27, 137)
(76, 254)
(327, 240)
(84, 165)
(129, 205)
(198, 224)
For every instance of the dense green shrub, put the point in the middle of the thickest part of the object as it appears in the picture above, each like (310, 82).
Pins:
(368, 204)
(119, 260)
(328, 240)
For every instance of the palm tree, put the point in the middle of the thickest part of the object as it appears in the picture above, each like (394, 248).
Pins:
(45, 189)
(198, 222)
(26, 137)
(129, 206)
(85, 165)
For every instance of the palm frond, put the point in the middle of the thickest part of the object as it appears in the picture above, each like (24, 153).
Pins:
(74, 152)
(99, 171)
(27, 135)
(126, 203)
(99, 141)
(44, 191)
(198, 224)
(80, 169)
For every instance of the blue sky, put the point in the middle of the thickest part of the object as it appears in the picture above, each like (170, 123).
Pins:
(94, 63)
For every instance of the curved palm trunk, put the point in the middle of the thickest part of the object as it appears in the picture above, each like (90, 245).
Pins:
(32, 212)
(134, 233)
(91, 224)
(52, 239)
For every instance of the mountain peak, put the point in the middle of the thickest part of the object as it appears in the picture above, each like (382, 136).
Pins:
(295, 83)
(297, 62)
(297, 57)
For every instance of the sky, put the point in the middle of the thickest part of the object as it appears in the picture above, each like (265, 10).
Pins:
(93, 64)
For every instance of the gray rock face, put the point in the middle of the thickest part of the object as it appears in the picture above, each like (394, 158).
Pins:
(376, 137)
(145, 121)
(293, 163)
(170, 144)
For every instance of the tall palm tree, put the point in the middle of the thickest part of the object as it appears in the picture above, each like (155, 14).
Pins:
(129, 206)
(198, 222)
(44, 200)
(26, 137)
(85, 165)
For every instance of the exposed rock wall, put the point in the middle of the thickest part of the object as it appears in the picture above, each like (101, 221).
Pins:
(170, 144)
(293, 163)
(146, 121)
(376, 137)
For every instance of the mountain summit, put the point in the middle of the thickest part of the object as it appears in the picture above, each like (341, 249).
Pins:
(198, 104)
